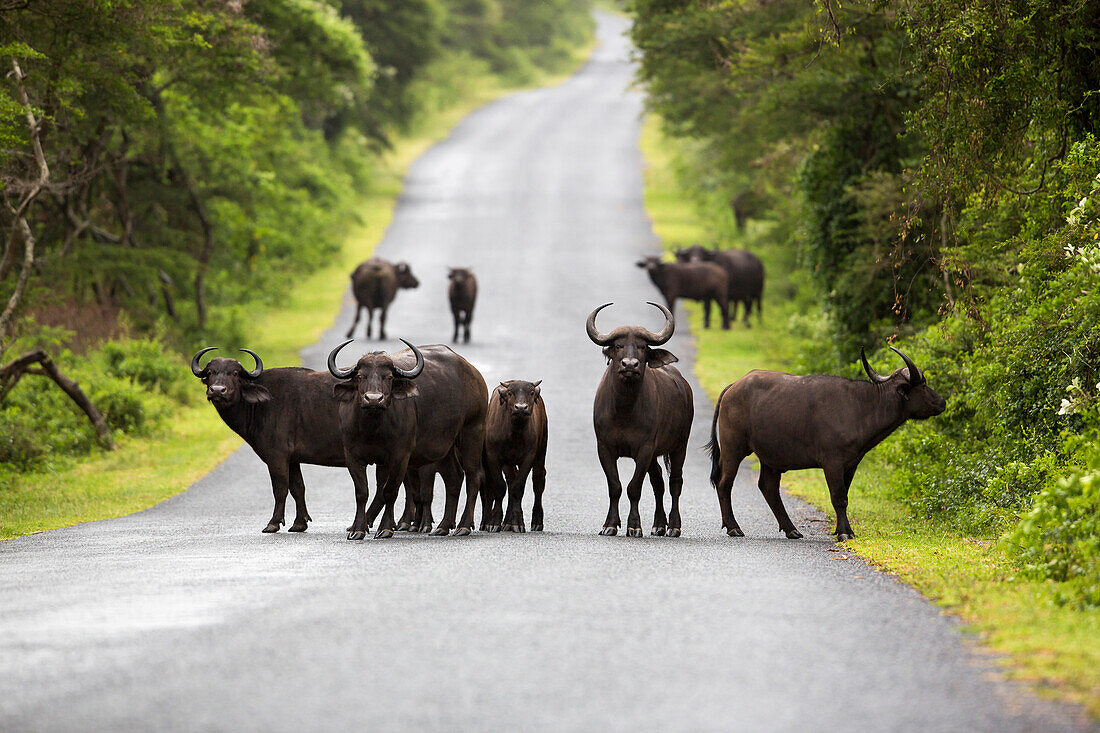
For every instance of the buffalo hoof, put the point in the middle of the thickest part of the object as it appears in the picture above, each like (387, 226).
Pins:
(271, 527)
(484, 527)
(844, 536)
(536, 527)
(658, 532)
(735, 532)
(440, 532)
(517, 528)
(356, 535)
(404, 526)
(633, 531)
(609, 531)
(383, 534)
(793, 534)
(673, 531)
(462, 532)
(493, 528)
(297, 527)
(426, 529)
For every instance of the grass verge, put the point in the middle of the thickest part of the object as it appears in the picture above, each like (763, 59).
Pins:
(1053, 647)
(143, 471)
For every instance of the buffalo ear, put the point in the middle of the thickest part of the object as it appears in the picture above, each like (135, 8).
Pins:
(659, 357)
(343, 391)
(502, 396)
(903, 389)
(403, 389)
(254, 393)
(641, 263)
(607, 353)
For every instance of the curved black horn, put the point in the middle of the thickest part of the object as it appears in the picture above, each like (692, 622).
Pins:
(335, 370)
(415, 371)
(200, 373)
(875, 376)
(259, 363)
(915, 376)
(656, 339)
(597, 338)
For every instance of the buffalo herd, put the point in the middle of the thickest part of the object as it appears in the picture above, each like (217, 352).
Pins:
(427, 411)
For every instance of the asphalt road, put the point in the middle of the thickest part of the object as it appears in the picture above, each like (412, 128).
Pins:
(186, 617)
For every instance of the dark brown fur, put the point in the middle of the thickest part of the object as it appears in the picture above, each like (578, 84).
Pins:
(374, 285)
(702, 281)
(462, 293)
(744, 270)
(515, 446)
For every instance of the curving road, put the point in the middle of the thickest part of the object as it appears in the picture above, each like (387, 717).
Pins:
(185, 617)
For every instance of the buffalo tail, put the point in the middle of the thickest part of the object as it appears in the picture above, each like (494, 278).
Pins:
(712, 447)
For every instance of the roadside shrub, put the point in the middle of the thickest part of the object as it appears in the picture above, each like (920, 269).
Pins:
(120, 401)
(18, 447)
(143, 360)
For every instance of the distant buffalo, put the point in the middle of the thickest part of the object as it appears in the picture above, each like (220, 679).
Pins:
(818, 421)
(643, 410)
(515, 447)
(745, 273)
(462, 294)
(374, 284)
(400, 416)
(702, 281)
(287, 416)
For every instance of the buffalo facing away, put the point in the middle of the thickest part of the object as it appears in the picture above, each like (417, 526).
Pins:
(702, 281)
(374, 285)
(286, 415)
(462, 294)
(643, 410)
(817, 421)
(515, 446)
(402, 417)
(745, 274)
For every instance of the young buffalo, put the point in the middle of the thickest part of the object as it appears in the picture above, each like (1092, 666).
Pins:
(818, 421)
(287, 416)
(515, 444)
(703, 281)
(643, 410)
(374, 285)
(462, 292)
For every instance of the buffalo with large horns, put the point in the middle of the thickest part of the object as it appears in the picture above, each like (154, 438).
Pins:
(286, 415)
(816, 421)
(401, 416)
(643, 410)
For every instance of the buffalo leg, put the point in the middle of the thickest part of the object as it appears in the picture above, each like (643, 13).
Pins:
(769, 487)
(468, 318)
(634, 494)
(614, 491)
(298, 491)
(538, 483)
(370, 320)
(452, 483)
(412, 488)
(724, 309)
(280, 484)
(455, 313)
(675, 486)
(470, 446)
(354, 323)
(839, 481)
(706, 312)
(514, 520)
(748, 312)
(657, 481)
(730, 464)
(494, 489)
(395, 474)
(382, 322)
(358, 471)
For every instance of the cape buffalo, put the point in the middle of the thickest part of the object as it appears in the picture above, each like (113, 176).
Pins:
(643, 410)
(374, 284)
(745, 272)
(462, 292)
(703, 281)
(515, 445)
(817, 421)
(397, 417)
(286, 415)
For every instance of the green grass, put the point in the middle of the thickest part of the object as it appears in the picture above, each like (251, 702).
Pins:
(143, 471)
(1055, 648)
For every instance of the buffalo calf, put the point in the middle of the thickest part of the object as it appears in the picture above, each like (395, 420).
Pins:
(643, 410)
(515, 445)
(816, 421)
(462, 293)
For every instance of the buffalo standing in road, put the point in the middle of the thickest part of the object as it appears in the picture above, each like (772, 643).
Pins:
(419, 491)
(286, 415)
(643, 410)
(744, 270)
(397, 417)
(374, 284)
(703, 281)
(515, 445)
(462, 293)
(817, 421)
